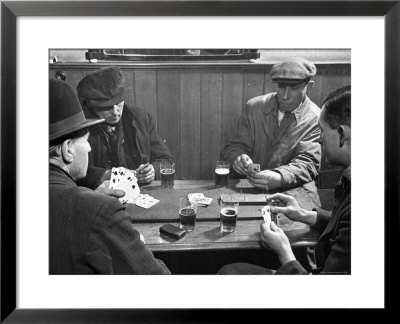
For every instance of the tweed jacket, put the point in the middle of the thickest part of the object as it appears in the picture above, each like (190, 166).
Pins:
(90, 233)
(292, 148)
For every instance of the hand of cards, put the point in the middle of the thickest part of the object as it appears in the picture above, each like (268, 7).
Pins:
(269, 216)
(199, 198)
(124, 179)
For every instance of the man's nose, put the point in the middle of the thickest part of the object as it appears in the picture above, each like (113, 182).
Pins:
(285, 93)
(115, 110)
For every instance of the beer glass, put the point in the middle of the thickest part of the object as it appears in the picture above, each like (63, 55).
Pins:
(167, 170)
(228, 215)
(221, 173)
(187, 214)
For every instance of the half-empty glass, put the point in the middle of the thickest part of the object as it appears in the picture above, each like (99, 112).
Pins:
(228, 214)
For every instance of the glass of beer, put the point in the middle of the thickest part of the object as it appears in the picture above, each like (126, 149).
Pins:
(167, 170)
(228, 215)
(187, 214)
(221, 173)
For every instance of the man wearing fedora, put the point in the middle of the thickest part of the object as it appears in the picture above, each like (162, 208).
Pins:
(280, 132)
(90, 232)
(129, 136)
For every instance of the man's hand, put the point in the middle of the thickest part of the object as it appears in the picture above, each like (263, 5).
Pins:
(145, 173)
(276, 240)
(104, 189)
(292, 210)
(265, 180)
(241, 163)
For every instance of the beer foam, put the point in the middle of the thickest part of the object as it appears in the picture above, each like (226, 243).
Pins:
(167, 171)
(221, 171)
(225, 211)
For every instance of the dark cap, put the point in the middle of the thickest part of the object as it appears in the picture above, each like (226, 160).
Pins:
(66, 115)
(292, 71)
(103, 87)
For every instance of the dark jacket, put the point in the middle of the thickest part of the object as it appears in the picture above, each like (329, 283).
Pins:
(333, 250)
(137, 141)
(90, 233)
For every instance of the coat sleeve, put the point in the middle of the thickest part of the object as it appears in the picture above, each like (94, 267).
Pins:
(114, 238)
(323, 217)
(304, 166)
(242, 141)
(339, 259)
(292, 267)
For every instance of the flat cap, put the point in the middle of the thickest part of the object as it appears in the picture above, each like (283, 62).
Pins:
(103, 87)
(293, 70)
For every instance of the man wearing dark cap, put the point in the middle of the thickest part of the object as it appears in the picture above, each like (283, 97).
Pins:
(128, 138)
(332, 253)
(90, 232)
(279, 131)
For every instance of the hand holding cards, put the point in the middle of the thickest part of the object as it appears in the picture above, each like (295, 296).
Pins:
(124, 179)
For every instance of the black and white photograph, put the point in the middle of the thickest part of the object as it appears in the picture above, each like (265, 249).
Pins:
(200, 161)
(187, 161)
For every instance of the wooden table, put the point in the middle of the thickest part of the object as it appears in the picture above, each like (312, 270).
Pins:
(207, 235)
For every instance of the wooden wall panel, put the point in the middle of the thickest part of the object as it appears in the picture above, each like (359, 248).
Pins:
(129, 87)
(145, 91)
(190, 125)
(232, 98)
(253, 85)
(198, 108)
(72, 77)
(210, 126)
(168, 103)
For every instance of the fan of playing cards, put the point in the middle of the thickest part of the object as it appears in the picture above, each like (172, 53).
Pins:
(124, 179)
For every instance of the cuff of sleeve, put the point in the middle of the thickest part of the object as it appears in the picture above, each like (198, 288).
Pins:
(288, 179)
(291, 267)
(323, 217)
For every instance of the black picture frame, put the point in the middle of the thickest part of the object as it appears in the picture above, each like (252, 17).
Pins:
(10, 10)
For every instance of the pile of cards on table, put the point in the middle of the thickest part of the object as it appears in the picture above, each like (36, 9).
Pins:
(199, 198)
(124, 179)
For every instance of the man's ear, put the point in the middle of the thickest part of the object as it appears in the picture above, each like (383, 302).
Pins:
(344, 134)
(310, 85)
(68, 151)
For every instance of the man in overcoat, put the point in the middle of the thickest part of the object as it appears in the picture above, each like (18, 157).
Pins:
(280, 132)
(129, 136)
(90, 232)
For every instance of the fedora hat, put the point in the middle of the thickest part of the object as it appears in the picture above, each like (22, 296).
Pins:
(66, 115)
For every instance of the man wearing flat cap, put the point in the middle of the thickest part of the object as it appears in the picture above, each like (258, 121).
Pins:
(280, 132)
(128, 138)
(90, 232)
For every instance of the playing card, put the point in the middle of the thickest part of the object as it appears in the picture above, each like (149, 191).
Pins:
(203, 201)
(195, 195)
(147, 202)
(253, 168)
(124, 179)
(266, 213)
